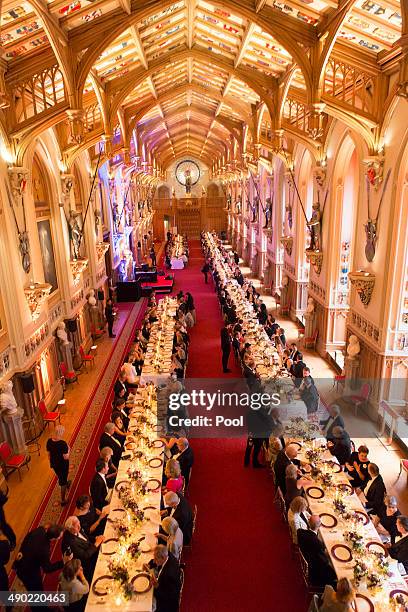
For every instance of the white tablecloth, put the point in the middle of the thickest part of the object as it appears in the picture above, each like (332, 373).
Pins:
(142, 602)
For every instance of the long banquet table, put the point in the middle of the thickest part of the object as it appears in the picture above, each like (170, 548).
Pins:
(336, 524)
(114, 548)
(157, 362)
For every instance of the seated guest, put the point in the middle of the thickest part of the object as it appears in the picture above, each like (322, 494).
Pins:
(172, 536)
(298, 516)
(375, 491)
(92, 523)
(119, 433)
(286, 360)
(106, 454)
(129, 370)
(340, 445)
(321, 571)
(185, 457)
(293, 351)
(73, 582)
(119, 408)
(333, 420)
(339, 600)
(120, 388)
(293, 486)
(5, 551)
(357, 467)
(172, 472)
(178, 507)
(82, 548)
(165, 573)
(274, 448)
(262, 314)
(399, 550)
(386, 524)
(107, 439)
(282, 337)
(138, 357)
(309, 392)
(98, 488)
(285, 457)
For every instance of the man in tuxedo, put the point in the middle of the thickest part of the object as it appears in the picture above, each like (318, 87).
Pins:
(4, 526)
(185, 457)
(334, 420)
(321, 571)
(309, 393)
(297, 370)
(35, 557)
(165, 571)
(293, 354)
(98, 488)
(110, 317)
(340, 445)
(120, 388)
(225, 348)
(375, 491)
(399, 550)
(119, 409)
(81, 547)
(178, 507)
(107, 439)
(286, 456)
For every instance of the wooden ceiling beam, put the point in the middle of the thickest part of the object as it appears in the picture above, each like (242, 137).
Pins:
(249, 30)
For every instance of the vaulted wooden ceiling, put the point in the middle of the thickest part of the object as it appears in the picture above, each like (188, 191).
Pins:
(186, 76)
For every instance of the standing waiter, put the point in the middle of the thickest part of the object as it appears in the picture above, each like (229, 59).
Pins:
(110, 317)
(225, 348)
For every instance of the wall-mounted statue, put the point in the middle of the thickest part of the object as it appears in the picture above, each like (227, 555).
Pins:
(65, 346)
(254, 210)
(8, 404)
(314, 226)
(353, 347)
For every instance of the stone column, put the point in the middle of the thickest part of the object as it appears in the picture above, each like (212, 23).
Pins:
(13, 432)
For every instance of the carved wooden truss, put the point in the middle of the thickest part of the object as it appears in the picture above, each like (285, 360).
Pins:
(211, 79)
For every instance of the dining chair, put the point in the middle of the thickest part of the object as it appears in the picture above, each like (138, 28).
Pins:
(68, 375)
(304, 566)
(48, 417)
(11, 461)
(86, 357)
(181, 586)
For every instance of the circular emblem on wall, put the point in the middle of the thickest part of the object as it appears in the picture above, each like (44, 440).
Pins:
(188, 173)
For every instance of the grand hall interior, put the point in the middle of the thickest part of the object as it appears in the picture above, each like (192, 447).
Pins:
(204, 305)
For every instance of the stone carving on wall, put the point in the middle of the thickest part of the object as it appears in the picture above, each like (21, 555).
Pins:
(287, 242)
(8, 404)
(353, 347)
(364, 284)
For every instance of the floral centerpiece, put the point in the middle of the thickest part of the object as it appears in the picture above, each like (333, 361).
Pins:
(374, 580)
(313, 455)
(120, 574)
(122, 528)
(382, 564)
(355, 539)
(339, 505)
(299, 428)
(134, 551)
(325, 479)
(360, 570)
(134, 473)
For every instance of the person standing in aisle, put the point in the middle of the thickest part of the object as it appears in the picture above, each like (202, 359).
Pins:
(58, 454)
(110, 317)
(225, 348)
(153, 257)
(205, 269)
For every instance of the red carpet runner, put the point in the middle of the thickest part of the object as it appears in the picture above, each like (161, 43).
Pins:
(241, 558)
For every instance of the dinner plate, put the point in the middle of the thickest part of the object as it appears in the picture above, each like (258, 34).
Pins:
(315, 492)
(141, 583)
(144, 545)
(100, 586)
(398, 592)
(336, 467)
(155, 462)
(157, 443)
(362, 603)
(376, 547)
(364, 516)
(328, 520)
(153, 485)
(346, 488)
(119, 513)
(130, 445)
(121, 485)
(298, 444)
(341, 553)
(109, 546)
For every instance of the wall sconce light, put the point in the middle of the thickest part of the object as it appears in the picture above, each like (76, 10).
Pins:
(77, 267)
(35, 295)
